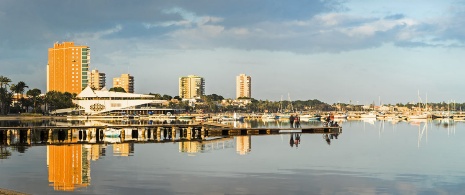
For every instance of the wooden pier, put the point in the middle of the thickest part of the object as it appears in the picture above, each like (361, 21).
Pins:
(157, 133)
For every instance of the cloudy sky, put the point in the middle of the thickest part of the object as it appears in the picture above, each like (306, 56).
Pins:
(335, 51)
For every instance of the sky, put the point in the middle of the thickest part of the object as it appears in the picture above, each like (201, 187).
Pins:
(342, 51)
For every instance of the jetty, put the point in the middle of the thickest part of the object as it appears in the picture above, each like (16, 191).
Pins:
(155, 133)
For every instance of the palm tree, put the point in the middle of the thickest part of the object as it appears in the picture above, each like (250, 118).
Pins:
(34, 94)
(4, 81)
(5, 97)
(19, 89)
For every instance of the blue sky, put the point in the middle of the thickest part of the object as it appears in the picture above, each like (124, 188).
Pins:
(334, 51)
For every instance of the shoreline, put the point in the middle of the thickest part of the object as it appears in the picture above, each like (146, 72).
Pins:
(11, 192)
(19, 117)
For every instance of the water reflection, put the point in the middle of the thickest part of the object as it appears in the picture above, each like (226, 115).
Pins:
(69, 166)
(72, 154)
(295, 141)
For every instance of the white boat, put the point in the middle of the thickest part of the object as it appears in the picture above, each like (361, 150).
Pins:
(370, 114)
(201, 118)
(283, 116)
(111, 132)
(269, 117)
(238, 117)
(340, 115)
(186, 117)
(308, 117)
(418, 116)
(226, 118)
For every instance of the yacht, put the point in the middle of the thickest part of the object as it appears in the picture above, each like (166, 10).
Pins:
(370, 114)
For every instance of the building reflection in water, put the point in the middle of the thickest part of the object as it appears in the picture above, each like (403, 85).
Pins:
(243, 144)
(194, 147)
(69, 165)
(123, 149)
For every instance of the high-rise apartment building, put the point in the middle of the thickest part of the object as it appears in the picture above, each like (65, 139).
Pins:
(191, 86)
(126, 81)
(68, 67)
(97, 79)
(243, 86)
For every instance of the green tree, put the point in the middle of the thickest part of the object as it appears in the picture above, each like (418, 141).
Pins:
(156, 95)
(117, 89)
(167, 97)
(19, 89)
(33, 95)
(5, 97)
(59, 100)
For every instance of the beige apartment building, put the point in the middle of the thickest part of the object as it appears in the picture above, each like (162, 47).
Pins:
(191, 86)
(243, 86)
(126, 81)
(97, 79)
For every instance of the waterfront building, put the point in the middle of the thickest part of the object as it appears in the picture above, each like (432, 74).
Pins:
(97, 79)
(243, 86)
(68, 67)
(191, 86)
(104, 102)
(126, 82)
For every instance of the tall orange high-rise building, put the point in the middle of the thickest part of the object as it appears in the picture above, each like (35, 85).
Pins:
(68, 67)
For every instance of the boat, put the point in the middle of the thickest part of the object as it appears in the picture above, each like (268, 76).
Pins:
(238, 117)
(310, 117)
(370, 114)
(201, 118)
(186, 117)
(283, 116)
(269, 117)
(226, 118)
(111, 132)
(315, 118)
(340, 115)
(418, 116)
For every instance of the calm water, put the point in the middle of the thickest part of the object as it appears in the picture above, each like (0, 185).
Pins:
(369, 157)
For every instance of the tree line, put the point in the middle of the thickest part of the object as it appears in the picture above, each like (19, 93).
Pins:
(15, 99)
(19, 98)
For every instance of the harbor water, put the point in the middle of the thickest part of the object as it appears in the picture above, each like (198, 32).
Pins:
(368, 157)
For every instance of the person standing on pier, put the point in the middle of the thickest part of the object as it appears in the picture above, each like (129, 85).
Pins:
(297, 121)
(291, 120)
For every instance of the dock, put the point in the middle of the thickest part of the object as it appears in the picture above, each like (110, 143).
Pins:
(156, 133)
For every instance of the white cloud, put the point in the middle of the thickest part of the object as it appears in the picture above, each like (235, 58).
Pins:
(95, 35)
(372, 28)
(189, 19)
(240, 31)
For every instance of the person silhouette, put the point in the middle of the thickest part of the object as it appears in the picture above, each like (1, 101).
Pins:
(291, 141)
(291, 120)
(326, 137)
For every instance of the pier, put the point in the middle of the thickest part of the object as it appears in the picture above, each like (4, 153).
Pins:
(158, 133)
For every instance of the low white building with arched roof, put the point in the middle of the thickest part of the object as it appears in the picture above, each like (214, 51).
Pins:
(106, 102)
